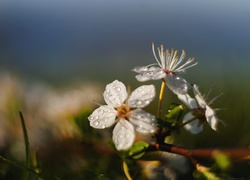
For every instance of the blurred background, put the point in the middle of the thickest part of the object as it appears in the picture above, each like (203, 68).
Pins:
(57, 56)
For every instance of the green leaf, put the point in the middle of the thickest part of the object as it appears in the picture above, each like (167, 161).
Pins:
(138, 149)
(174, 114)
(135, 152)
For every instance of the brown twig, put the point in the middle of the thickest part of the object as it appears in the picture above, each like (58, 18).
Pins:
(234, 153)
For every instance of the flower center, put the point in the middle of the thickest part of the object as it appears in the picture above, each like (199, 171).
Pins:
(123, 111)
(199, 113)
(167, 71)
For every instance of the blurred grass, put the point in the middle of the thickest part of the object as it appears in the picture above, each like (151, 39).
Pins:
(89, 155)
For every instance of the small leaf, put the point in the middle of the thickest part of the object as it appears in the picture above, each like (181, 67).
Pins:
(174, 114)
(138, 149)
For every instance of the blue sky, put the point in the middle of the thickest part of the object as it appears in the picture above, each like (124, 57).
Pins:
(77, 38)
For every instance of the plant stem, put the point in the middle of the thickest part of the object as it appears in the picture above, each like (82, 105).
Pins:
(188, 121)
(163, 84)
(126, 170)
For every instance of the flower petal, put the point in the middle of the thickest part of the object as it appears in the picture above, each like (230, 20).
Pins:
(211, 118)
(115, 93)
(140, 69)
(141, 96)
(188, 101)
(143, 121)
(152, 73)
(199, 97)
(177, 84)
(123, 135)
(193, 126)
(102, 117)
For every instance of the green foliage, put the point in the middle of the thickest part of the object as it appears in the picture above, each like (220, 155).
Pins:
(222, 160)
(135, 152)
(138, 149)
(174, 114)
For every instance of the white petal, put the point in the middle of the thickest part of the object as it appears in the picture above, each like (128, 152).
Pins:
(192, 126)
(199, 97)
(115, 93)
(143, 121)
(188, 101)
(140, 69)
(153, 73)
(102, 117)
(141, 96)
(211, 119)
(123, 135)
(177, 84)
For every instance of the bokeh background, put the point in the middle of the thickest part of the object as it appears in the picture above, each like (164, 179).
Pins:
(57, 56)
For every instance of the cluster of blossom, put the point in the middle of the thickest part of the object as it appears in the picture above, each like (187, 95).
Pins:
(126, 110)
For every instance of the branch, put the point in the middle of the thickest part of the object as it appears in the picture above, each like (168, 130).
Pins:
(234, 153)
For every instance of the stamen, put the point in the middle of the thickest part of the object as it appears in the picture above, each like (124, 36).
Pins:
(173, 59)
(212, 100)
(153, 49)
(207, 95)
(183, 68)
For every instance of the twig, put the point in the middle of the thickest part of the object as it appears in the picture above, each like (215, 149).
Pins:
(234, 153)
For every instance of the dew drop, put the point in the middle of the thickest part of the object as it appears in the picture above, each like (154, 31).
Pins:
(100, 111)
(111, 97)
(96, 123)
(103, 126)
(118, 89)
(139, 102)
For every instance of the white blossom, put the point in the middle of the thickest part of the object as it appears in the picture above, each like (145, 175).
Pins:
(201, 110)
(126, 112)
(209, 112)
(168, 66)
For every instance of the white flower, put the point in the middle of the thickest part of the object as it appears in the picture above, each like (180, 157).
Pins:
(126, 111)
(202, 111)
(169, 65)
